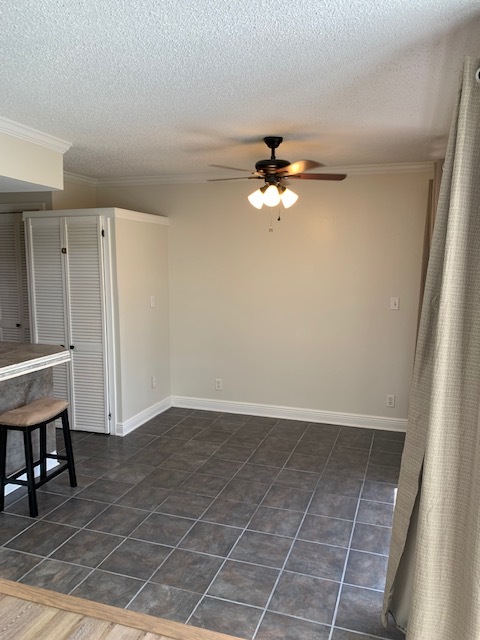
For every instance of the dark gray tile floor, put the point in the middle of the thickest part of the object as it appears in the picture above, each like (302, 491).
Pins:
(256, 527)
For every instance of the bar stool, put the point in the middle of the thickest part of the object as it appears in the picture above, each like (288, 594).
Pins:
(28, 418)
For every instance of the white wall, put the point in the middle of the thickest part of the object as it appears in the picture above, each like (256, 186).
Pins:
(298, 317)
(142, 272)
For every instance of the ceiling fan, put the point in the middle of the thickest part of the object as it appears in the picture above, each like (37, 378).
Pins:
(274, 171)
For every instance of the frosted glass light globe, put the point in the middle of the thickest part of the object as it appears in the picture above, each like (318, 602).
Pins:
(271, 197)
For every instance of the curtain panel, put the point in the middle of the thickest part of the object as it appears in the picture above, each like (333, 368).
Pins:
(433, 578)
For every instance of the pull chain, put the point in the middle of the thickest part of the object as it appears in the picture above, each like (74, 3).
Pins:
(271, 219)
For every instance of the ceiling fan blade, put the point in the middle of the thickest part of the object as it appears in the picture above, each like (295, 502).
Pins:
(222, 166)
(241, 178)
(299, 167)
(222, 179)
(318, 176)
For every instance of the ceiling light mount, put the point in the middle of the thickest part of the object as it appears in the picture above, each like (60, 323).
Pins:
(273, 142)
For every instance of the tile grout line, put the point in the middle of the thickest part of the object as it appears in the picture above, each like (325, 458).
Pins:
(148, 513)
(243, 529)
(282, 569)
(111, 552)
(195, 520)
(342, 580)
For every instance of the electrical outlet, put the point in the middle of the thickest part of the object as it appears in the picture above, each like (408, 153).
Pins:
(390, 400)
(218, 384)
(154, 382)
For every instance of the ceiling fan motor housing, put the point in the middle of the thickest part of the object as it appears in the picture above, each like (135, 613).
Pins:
(274, 170)
(271, 165)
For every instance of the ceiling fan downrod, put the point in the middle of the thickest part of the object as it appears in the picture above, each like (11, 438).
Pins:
(271, 166)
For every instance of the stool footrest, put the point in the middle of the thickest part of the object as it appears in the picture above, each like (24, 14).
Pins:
(56, 456)
(13, 479)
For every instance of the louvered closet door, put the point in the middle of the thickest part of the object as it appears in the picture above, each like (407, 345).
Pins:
(47, 287)
(86, 321)
(23, 283)
(9, 281)
(14, 321)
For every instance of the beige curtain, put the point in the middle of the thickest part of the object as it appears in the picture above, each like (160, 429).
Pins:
(433, 579)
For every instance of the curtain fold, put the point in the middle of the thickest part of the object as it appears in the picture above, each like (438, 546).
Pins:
(433, 577)
(433, 193)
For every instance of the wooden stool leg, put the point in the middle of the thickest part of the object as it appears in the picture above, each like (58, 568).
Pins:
(68, 448)
(32, 497)
(43, 452)
(3, 464)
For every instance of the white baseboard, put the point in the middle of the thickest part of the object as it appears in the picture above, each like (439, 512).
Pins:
(292, 413)
(10, 488)
(272, 411)
(123, 428)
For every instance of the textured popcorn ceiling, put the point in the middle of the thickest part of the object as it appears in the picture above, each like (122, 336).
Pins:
(166, 87)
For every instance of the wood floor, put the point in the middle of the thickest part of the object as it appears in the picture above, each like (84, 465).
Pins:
(30, 613)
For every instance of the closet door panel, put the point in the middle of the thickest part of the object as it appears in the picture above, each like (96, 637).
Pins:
(23, 283)
(88, 391)
(47, 295)
(9, 283)
(47, 299)
(86, 322)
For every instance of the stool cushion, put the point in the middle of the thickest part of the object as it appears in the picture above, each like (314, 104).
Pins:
(36, 412)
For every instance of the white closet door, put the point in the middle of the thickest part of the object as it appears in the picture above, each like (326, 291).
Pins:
(14, 321)
(47, 293)
(10, 320)
(23, 283)
(85, 302)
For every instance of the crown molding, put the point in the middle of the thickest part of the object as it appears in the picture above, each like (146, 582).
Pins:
(144, 181)
(21, 131)
(375, 169)
(78, 179)
(356, 170)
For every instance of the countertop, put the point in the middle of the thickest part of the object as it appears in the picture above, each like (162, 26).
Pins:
(19, 358)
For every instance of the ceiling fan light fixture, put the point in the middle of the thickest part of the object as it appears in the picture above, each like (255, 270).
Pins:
(288, 197)
(256, 198)
(272, 196)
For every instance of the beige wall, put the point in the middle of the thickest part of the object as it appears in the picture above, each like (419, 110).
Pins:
(142, 272)
(30, 163)
(299, 317)
(75, 196)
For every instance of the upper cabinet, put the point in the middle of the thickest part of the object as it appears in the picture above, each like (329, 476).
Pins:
(80, 269)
